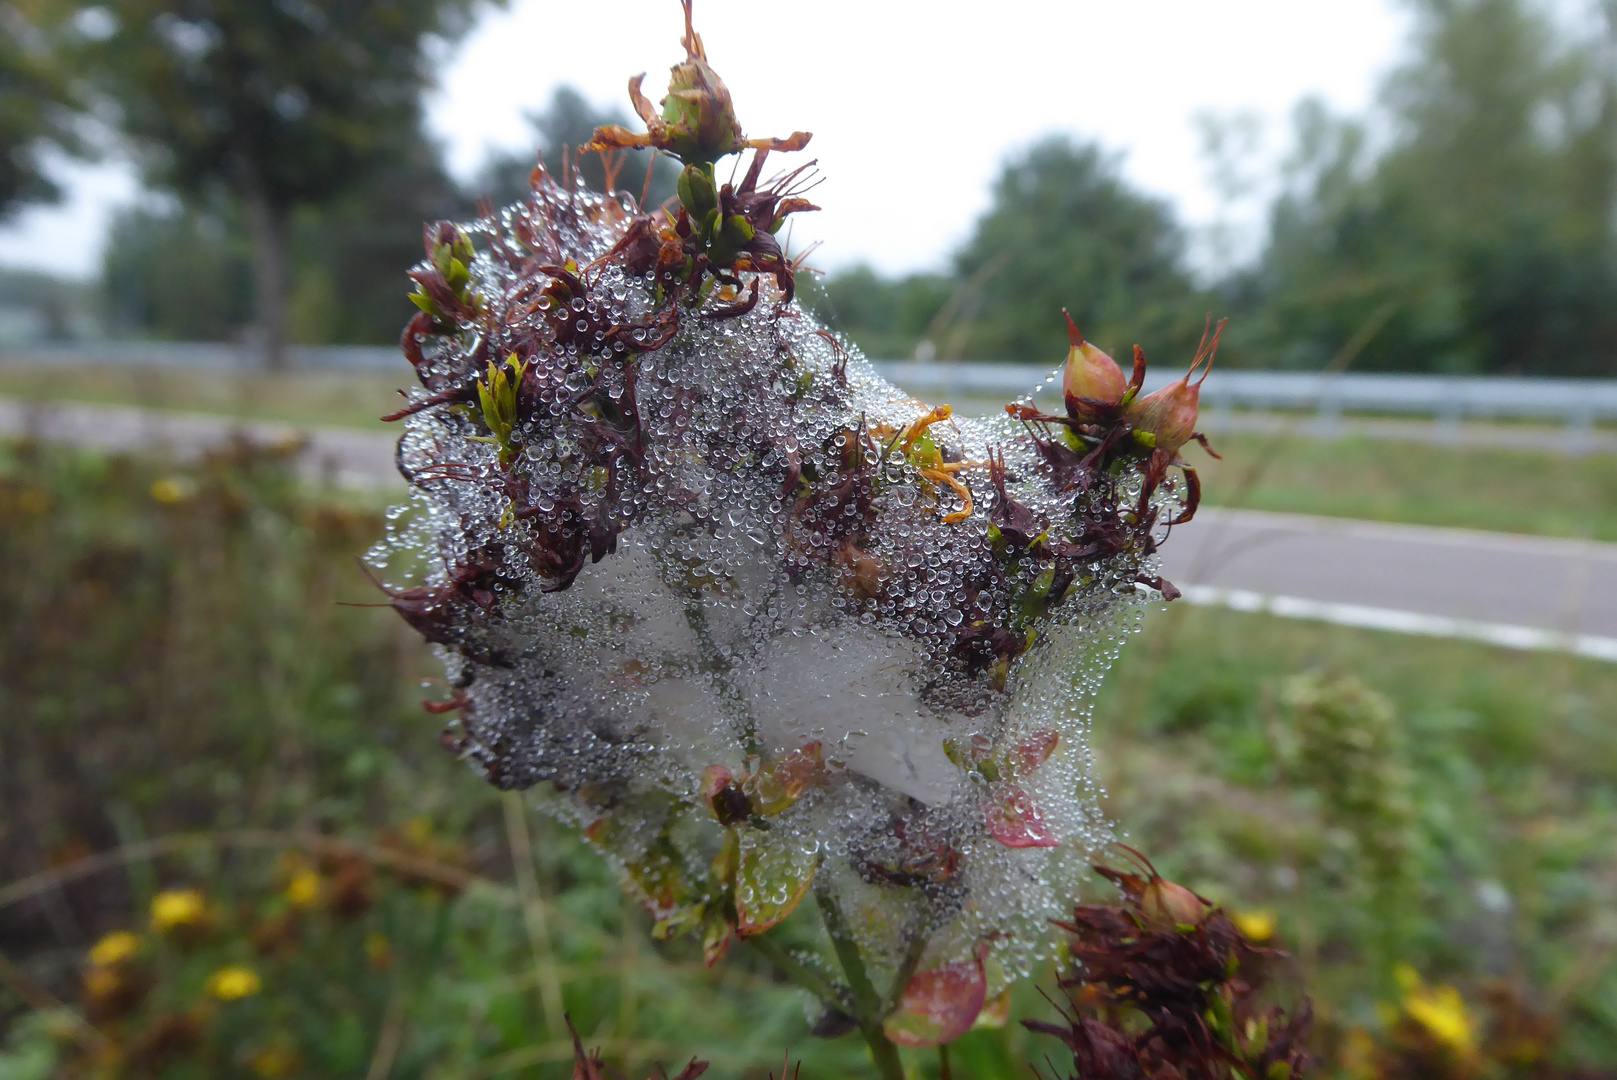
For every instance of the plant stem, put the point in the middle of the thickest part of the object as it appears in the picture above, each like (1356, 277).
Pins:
(534, 913)
(883, 1053)
(906, 969)
(869, 1006)
(867, 1003)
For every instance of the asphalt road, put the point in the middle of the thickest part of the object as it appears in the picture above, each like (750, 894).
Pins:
(1520, 591)
(1525, 591)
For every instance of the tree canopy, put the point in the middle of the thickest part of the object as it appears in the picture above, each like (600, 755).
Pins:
(1484, 238)
(1468, 225)
(34, 111)
(282, 103)
(1066, 231)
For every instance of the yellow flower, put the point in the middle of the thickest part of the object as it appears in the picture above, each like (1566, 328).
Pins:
(114, 949)
(303, 891)
(1439, 1009)
(234, 983)
(173, 489)
(174, 908)
(1258, 925)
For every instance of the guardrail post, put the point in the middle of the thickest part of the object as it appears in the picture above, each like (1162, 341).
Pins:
(1580, 430)
(1449, 415)
(1328, 422)
(1218, 417)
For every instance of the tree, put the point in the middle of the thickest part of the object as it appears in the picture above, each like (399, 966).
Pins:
(281, 103)
(34, 111)
(177, 274)
(567, 123)
(1485, 237)
(186, 272)
(1066, 231)
(886, 318)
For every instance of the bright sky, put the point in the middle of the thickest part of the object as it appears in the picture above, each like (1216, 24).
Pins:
(914, 105)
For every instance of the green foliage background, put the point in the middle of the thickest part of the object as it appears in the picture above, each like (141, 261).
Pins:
(178, 663)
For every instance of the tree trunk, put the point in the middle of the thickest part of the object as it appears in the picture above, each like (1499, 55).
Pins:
(267, 223)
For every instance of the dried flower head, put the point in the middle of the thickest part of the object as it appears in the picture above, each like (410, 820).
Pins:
(1166, 986)
(764, 622)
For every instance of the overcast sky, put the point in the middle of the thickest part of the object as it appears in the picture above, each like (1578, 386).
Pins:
(914, 106)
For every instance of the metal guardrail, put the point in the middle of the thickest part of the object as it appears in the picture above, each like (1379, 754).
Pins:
(217, 355)
(1577, 403)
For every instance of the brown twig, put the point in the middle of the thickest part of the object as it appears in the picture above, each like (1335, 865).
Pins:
(67, 873)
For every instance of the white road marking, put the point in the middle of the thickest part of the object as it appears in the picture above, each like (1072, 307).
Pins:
(1530, 638)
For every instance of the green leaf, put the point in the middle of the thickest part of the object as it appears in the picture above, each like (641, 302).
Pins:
(771, 881)
(424, 302)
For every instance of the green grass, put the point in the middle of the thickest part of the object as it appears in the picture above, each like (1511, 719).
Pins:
(340, 399)
(1505, 490)
(1508, 761)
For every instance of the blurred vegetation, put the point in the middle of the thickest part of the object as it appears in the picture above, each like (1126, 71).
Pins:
(273, 108)
(1063, 230)
(1500, 489)
(1468, 226)
(36, 113)
(40, 307)
(1391, 807)
(184, 271)
(189, 708)
(1484, 237)
(183, 689)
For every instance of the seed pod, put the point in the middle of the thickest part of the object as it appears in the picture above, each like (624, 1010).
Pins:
(698, 116)
(698, 120)
(1091, 380)
(1169, 414)
(1164, 901)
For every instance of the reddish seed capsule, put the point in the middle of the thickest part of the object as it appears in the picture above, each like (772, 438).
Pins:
(1164, 901)
(1091, 379)
(1169, 414)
